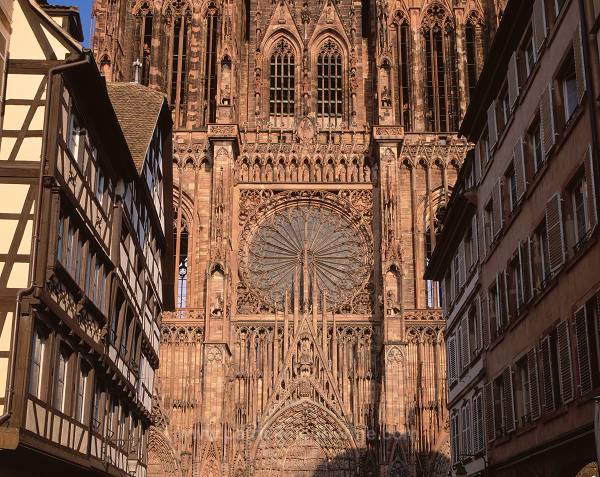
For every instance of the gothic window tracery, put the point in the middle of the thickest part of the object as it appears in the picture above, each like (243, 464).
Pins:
(210, 64)
(143, 39)
(402, 33)
(473, 47)
(180, 239)
(178, 22)
(441, 101)
(330, 92)
(282, 85)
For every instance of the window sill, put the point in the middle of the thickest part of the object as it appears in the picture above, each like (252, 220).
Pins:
(560, 411)
(582, 250)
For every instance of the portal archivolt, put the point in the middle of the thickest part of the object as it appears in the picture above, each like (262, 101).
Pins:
(305, 439)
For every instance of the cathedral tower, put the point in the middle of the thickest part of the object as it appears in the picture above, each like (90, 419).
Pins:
(315, 150)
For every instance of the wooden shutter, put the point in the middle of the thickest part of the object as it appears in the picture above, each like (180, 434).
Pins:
(481, 234)
(490, 427)
(519, 167)
(534, 389)
(452, 359)
(461, 265)
(475, 238)
(485, 318)
(477, 162)
(478, 433)
(579, 63)
(525, 269)
(513, 80)
(583, 351)
(497, 208)
(477, 330)
(459, 351)
(591, 188)
(505, 297)
(547, 119)
(466, 351)
(548, 384)
(509, 405)
(555, 232)
(539, 24)
(492, 125)
(564, 361)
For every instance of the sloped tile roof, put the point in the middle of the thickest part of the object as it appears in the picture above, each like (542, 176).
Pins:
(138, 109)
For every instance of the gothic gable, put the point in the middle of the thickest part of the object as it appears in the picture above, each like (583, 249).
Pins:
(330, 23)
(281, 21)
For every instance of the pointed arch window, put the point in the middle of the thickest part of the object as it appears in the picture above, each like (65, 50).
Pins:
(441, 96)
(474, 50)
(330, 97)
(143, 39)
(402, 33)
(178, 20)
(210, 64)
(282, 83)
(181, 259)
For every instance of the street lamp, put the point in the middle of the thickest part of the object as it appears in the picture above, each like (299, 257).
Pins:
(459, 467)
(459, 470)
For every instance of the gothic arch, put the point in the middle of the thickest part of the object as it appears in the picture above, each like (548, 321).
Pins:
(318, 430)
(162, 461)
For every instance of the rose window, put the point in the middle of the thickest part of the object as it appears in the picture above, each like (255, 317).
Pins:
(307, 243)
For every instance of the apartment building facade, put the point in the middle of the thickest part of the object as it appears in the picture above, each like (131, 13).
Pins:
(535, 162)
(85, 181)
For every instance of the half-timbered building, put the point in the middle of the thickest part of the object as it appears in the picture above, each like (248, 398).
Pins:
(85, 187)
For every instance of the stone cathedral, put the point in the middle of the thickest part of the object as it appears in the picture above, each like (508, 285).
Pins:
(315, 149)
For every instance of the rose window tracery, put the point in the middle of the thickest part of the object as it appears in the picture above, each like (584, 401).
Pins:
(301, 243)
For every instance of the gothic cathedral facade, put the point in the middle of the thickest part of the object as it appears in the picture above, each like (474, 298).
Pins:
(315, 149)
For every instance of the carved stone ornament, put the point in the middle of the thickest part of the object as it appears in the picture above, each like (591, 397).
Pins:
(306, 130)
(328, 228)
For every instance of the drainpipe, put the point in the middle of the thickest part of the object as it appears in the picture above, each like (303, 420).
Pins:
(71, 63)
(591, 102)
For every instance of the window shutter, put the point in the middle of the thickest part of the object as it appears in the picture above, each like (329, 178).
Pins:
(525, 272)
(452, 359)
(478, 438)
(555, 232)
(481, 235)
(513, 80)
(459, 351)
(490, 427)
(475, 238)
(530, 262)
(509, 409)
(539, 24)
(477, 330)
(506, 298)
(519, 166)
(547, 118)
(583, 351)
(477, 161)
(564, 362)
(579, 63)
(466, 352)
(591, 188)
(485, 318)
(534, 390)
(497, 208)
(461, 264)
(467, 424)
(548, 390)
(492, 125)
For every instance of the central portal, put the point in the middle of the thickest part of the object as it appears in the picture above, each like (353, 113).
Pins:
(304, 439)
